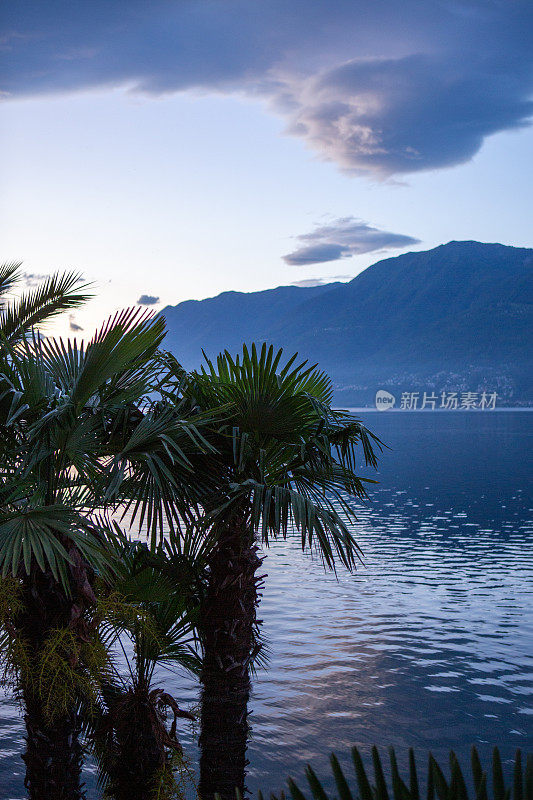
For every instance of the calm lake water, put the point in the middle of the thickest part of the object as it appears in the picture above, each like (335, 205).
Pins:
(429, 645)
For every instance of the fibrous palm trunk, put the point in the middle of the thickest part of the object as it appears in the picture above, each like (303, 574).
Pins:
(140, 753)
(228, 620)
(53, 754)
(135, 748)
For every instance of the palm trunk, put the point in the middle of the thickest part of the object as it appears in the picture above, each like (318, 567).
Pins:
(135, 746)
(228, 620)
(53, 754)
(140, 755)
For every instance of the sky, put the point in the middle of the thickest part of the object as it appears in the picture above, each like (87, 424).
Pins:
(179, 148)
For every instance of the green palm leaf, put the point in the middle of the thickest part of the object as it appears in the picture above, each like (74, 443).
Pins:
(57, 293)
(9, 277)
(282, 450)
(42, 535)
(454, 788)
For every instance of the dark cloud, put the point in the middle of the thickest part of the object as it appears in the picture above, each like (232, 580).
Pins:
(147, 300)
(394, 116)
(73, 325)
(344, 238)
(316, 254)
(377, 87)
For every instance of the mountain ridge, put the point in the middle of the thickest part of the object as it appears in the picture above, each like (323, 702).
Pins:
(461, 311)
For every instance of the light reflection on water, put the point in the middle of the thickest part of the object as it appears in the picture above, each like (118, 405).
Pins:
(429, 645)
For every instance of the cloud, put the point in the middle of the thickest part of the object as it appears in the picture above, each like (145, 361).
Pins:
(32, 279)
(147, 300)
(316, 253)
(307, 282)
(73, 325)
(386, 117)
(343, 238)
(378, 88)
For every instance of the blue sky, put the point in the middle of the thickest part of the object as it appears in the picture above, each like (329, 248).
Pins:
(179, 148)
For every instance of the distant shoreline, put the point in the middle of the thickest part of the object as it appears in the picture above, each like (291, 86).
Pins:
(439, 410)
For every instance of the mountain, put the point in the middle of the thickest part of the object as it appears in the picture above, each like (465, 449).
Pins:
(231, 318)
(455, 318)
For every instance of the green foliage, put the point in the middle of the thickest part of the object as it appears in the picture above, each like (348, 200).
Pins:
(65, 670)
(283, 462)
(437, 785)
(14, 648)
(31, 532)
(284, 459)
(55, 294)
(153, 604)
(11, 602)
(68, 671)
(80, 432)
(85, 432)
(175, 780)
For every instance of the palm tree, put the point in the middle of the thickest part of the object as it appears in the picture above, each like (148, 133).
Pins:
(79, 434)
(285, 461)
(151, 612)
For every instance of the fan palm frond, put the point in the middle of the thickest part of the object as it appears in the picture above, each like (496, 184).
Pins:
(55, 294)
(374, 787)
(10, 275)
(282, 450)
(155, 607)
(44, 535)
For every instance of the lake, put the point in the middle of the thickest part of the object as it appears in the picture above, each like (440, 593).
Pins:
(429, 645)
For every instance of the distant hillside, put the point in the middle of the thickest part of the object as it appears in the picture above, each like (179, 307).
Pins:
(457, 317)
(231, 318)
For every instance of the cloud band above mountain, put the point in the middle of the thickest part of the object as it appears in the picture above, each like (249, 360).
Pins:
(343, 238)
(456, 71)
